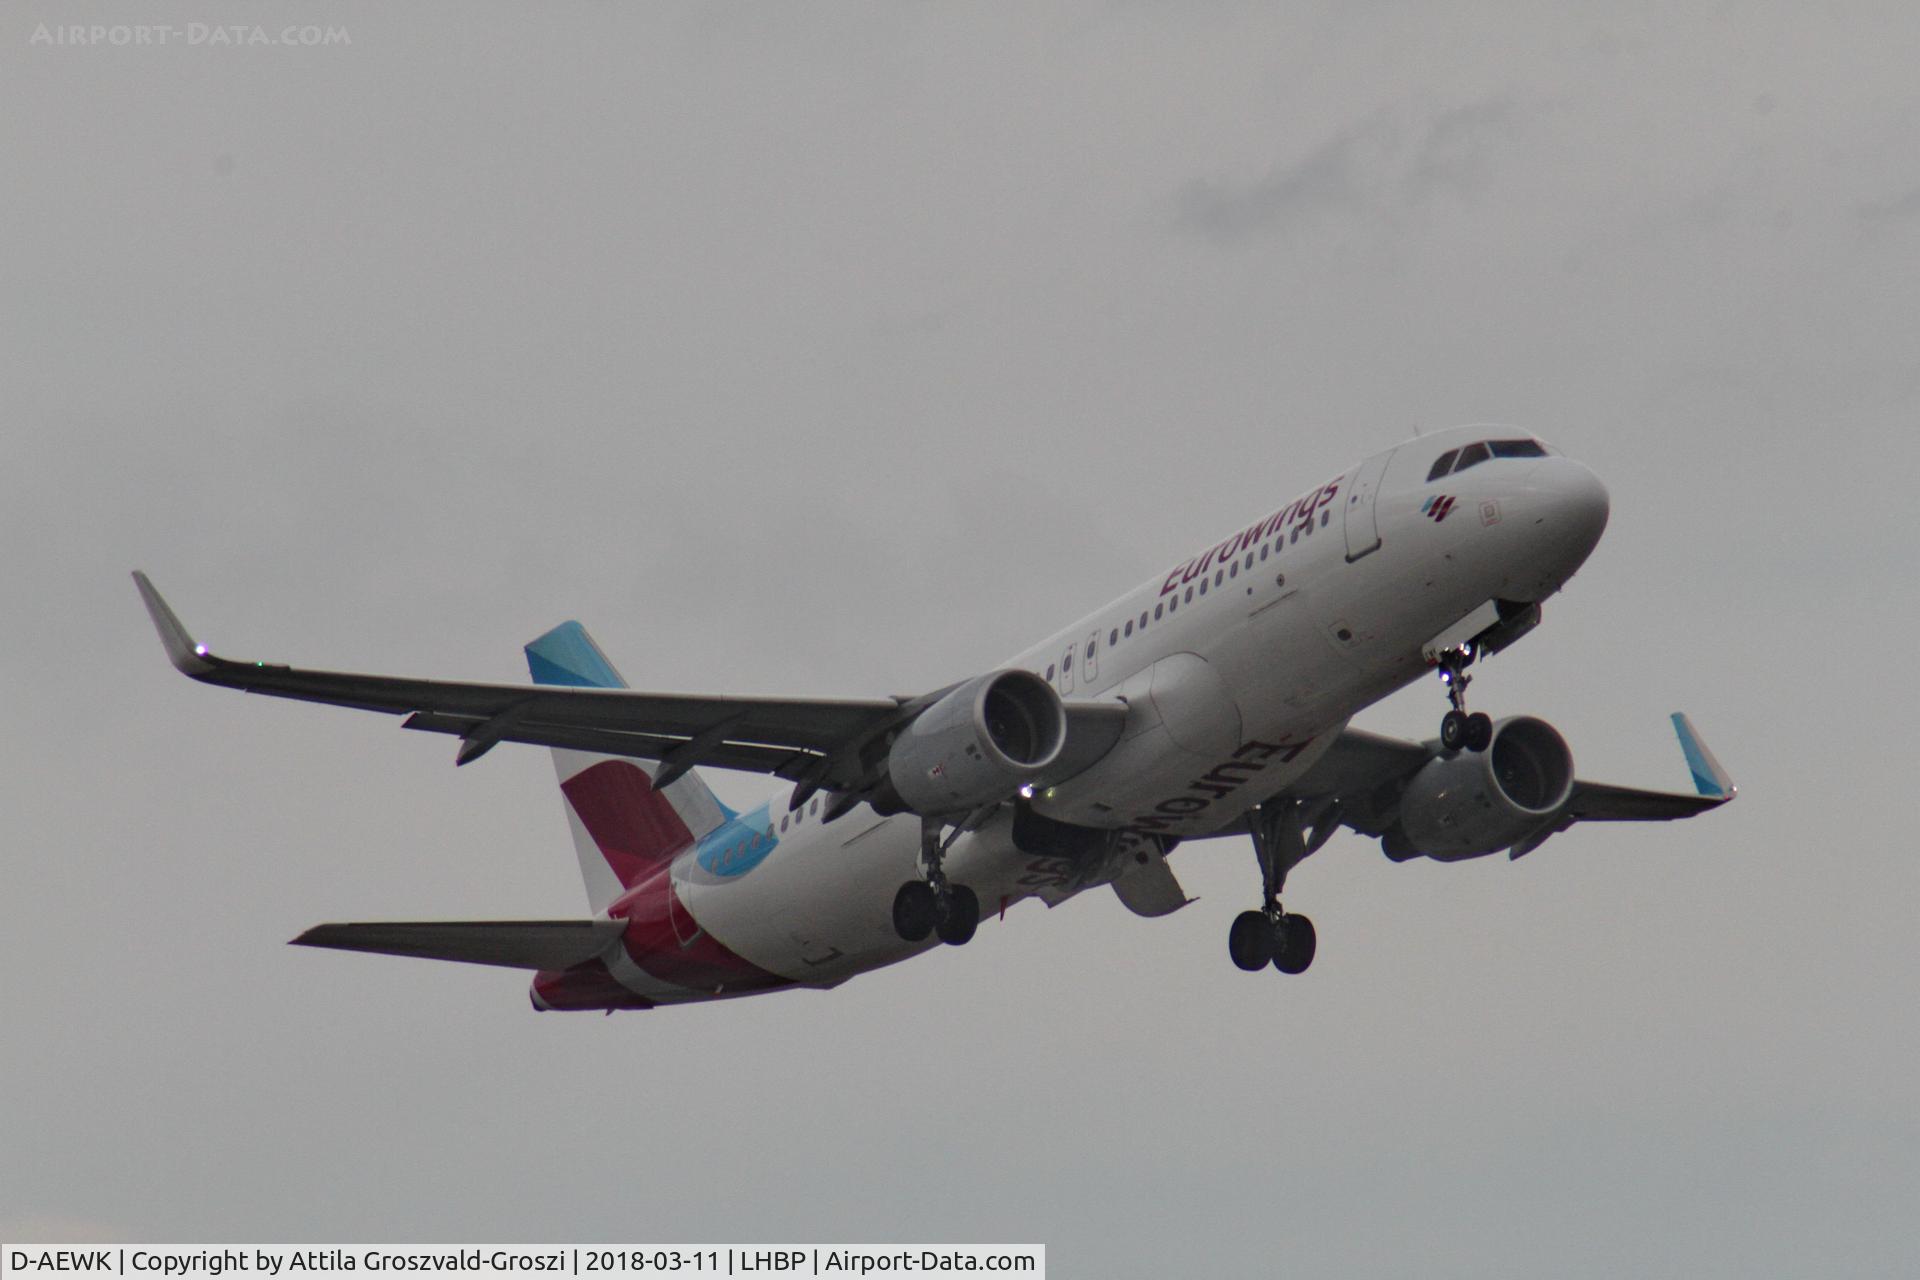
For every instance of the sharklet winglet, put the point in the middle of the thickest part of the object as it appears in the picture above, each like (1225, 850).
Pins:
(1709, 779)
(187, 657)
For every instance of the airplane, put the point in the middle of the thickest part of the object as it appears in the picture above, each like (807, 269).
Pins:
(1212, 701)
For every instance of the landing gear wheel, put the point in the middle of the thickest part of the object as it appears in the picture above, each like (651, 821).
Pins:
(915, 909)
(1479, 734)
(1453, 729)
(1294, 943)
(1250, 940)
(962, 916)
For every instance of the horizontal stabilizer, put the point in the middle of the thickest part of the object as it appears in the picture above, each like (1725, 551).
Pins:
(516, 944)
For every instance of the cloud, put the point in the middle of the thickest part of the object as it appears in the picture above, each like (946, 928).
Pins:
(1894, 209)
(1384, 162)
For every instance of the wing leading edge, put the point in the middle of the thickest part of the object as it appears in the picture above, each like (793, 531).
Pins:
(831, 744)
(800, 739)
(1361, 778)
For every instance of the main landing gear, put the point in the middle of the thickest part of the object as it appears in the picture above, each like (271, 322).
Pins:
(1270, 934)
(1457, 728)
(934, 905)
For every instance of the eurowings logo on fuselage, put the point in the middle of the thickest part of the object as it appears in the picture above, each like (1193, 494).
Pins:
(1439, 507)
(1300, 512)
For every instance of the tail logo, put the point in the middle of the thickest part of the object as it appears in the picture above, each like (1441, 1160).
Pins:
(635, 827)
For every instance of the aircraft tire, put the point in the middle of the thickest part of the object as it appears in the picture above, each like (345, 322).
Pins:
(1294, 943)
(1453, 730)
(1479, 731)
(963, 916)
(914, 909)
(1250, 941)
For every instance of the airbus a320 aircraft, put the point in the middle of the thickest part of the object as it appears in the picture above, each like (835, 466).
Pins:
(1210, 702)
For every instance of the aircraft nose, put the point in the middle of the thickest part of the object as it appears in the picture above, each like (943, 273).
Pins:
(1575, 504)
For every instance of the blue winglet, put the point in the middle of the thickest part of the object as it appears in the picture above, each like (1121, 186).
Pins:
(1709, 779)
(567, 655)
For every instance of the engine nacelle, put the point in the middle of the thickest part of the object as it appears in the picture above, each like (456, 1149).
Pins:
(1473, 803)
(976, 746)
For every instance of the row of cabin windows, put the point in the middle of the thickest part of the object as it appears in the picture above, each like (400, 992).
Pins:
(1170, 606)
(1454, 461)
(798, 814)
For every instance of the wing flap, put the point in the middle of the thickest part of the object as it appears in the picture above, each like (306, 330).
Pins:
(792, 737)
(514, 944)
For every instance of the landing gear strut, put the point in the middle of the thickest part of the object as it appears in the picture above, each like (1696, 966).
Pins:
(1457, 728)
(1270, 934)
(934, 905)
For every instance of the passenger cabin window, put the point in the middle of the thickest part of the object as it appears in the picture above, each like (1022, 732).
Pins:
(1129, 626)
(1443, 464)
(1113, 637)
(1516, 449)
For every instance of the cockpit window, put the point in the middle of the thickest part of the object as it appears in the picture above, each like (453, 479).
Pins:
(1472, 455)
(1516, 449)
(1442, 464)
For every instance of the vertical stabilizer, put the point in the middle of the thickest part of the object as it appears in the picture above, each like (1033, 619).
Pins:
(623, 829)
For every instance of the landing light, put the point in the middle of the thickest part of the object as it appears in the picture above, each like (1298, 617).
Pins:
(200, 649)
(1026, 791)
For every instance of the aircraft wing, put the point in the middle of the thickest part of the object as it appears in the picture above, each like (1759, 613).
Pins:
(828, 744)
(801, 739)
(1358, 782)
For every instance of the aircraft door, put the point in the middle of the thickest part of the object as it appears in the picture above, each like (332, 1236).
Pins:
(1066, 671)
(686, 930)
(1091, 657)
(1363, 529)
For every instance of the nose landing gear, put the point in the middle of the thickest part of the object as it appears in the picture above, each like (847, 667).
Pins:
(1270, 934)
(934, 905)
(1457, 728)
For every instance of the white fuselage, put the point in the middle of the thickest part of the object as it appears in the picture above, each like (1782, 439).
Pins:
(1238, 667)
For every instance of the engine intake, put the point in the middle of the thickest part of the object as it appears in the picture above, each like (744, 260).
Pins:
(1473, 803)
(976, 746)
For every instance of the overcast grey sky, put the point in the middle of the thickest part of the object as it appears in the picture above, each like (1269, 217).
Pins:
(843, 350)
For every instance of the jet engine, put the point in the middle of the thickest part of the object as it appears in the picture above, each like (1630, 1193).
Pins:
(976, 746)
(1471, 803)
